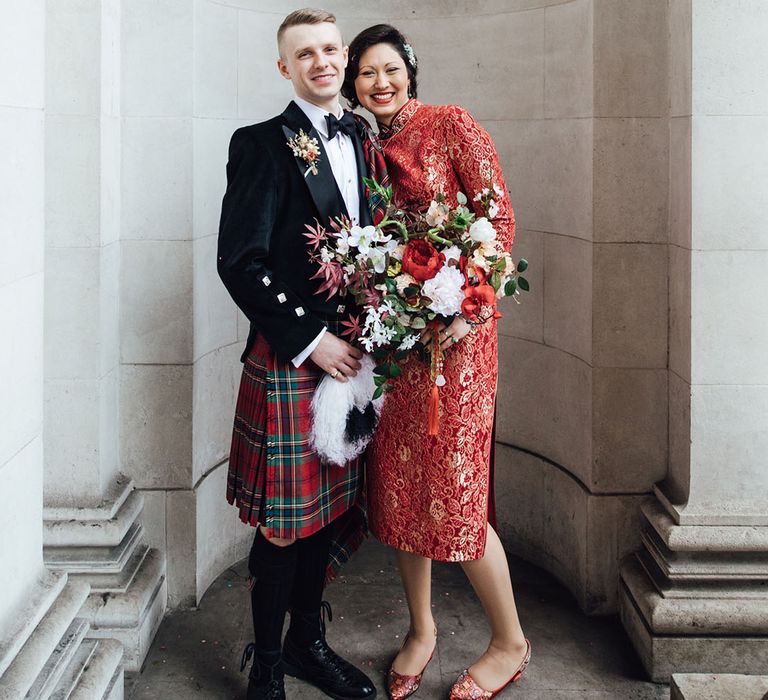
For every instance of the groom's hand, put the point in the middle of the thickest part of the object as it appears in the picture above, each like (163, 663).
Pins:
(336, 357)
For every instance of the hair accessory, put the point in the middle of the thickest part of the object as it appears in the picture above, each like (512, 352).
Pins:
(409, 52)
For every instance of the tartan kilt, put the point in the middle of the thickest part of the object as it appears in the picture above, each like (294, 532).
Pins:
(275, 479)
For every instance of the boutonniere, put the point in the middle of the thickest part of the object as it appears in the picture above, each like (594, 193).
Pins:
(306, 148)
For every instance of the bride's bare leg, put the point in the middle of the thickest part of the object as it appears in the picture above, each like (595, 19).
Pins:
(490, 578)
(416, 573)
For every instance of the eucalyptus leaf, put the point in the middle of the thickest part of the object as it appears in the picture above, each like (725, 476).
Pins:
(461, 198)
(418, 323)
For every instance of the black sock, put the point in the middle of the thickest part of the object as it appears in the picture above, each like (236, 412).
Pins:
(308, 586)
(273, 570)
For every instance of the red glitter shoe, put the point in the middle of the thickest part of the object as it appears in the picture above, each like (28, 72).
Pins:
(400, 686)
(465, 687)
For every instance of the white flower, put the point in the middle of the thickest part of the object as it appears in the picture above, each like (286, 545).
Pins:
(444, 289)
(375, 333)
(489, 249)
(378, 259)
(499, 192)
(452, 253)
(482, 230)
(478, 259)
(436, 214)
(408, 342)
(361, 238)
(325, 255)
(342, 243)
(493, 209)
(404, 280)
(397, 251)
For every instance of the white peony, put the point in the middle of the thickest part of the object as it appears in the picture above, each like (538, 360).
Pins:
(444, 289)
(482, 230)
(452, 253)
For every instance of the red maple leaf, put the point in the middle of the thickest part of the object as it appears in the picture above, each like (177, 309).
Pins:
(316, 235)
(332, 275)
(353, 329)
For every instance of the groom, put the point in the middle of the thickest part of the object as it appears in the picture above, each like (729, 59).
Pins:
(304, 165)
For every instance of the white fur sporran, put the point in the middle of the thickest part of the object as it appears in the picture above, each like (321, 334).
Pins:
(344, 417)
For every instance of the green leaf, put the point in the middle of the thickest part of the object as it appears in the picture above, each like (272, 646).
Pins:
(523, 284)
(522, 265)
(382, 369)
(495, 281)
(400, 355)
(510, 287)
(418, 323)
(378, 393)
(394, 370)
(379, 380)
(461, 198)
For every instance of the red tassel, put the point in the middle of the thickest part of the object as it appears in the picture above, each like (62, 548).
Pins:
(433, 412)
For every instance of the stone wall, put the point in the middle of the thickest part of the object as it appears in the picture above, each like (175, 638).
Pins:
(22, 27)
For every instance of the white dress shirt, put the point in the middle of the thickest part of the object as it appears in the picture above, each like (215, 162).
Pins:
(341, 157)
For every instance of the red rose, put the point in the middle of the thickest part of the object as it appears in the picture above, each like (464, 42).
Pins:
(421, 260)
(475, 297)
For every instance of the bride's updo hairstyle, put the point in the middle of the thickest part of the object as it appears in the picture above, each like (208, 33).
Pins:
(378, 34)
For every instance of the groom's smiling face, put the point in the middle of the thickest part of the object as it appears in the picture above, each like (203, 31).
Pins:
(313, 57)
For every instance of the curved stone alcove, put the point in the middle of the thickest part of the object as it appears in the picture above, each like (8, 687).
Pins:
(582, 399)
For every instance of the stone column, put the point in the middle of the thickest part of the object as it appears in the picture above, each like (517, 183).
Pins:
(42, 633)
(694, 598)
(92, 512)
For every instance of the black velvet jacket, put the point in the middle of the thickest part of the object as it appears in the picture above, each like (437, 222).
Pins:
(263, 257)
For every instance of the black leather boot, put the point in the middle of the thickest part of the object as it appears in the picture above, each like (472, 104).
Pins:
(265, 681)
(316, 663)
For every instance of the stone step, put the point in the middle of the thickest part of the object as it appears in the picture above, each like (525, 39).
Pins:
(714, 686)
(72, 668)
(51, 631)
(100, 673)
(42, 597)
(65, 657)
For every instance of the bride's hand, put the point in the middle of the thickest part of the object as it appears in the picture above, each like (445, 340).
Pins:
(449, 335)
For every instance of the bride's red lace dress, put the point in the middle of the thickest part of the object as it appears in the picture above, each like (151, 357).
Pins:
(429, 495)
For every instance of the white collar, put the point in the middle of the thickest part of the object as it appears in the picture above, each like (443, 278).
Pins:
(317, 114)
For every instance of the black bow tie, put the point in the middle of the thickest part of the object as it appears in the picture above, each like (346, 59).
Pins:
(346, 125)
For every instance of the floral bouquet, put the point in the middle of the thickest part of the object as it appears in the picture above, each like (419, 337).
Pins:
(410, 272)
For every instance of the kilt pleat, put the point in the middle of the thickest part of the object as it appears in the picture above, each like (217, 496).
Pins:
(275, 479)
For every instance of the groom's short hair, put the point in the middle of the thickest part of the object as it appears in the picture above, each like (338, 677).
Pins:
(306, 15)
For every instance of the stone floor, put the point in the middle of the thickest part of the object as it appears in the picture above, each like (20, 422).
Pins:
(197, 652)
